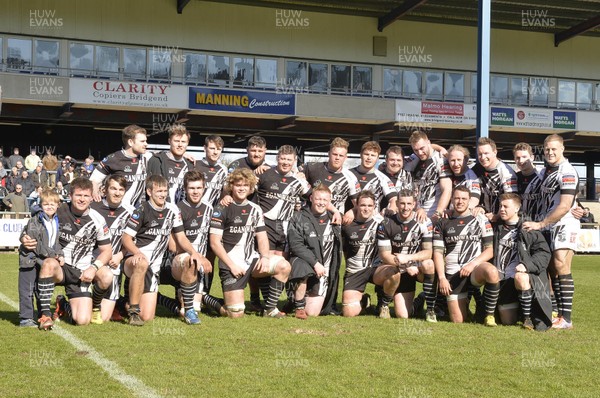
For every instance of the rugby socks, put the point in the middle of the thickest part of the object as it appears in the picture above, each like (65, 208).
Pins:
(554, 303)
(300, 304)
(490, 297)
(386, 299)
(556, 287)
(567, 288)
(525, 299)
(188, 291)
(213, 303)
(474, 292)
(126, 290)
(430, 290)
(263, 284)
(67, 309)
(97, 296)
(45, 288)
(275, 289)
(169, 303)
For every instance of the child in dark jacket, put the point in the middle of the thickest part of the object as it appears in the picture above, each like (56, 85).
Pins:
(43, 227)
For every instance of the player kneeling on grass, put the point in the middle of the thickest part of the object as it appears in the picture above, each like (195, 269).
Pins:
(405, 248)
(462, 247)
(315, 251)
(522, 259)
(151, 225)
(233, 232)
(80, 229)
(360, 251)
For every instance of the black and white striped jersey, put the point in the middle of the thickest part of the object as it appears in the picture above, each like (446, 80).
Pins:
(325, 229)
(343, 184)
(462, 239)
(79, 234)
(507, 257)
(376, 182)
(164, 164)
(215, 176)
(116, 219)
(278, 194)
(426, 179)
(238, 224)
(405, 237)
(360, 245)
(151, 228)
(543, 193)
(196, 223)
(494, 183)
(133, 168)
(469, 180)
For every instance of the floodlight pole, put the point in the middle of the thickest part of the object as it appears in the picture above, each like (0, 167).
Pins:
(483, 68)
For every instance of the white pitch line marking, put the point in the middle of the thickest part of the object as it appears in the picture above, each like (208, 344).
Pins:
(112, 369)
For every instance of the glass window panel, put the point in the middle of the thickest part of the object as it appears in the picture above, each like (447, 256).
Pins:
(412, 83)
(454, 87)
(296, 74)
(1, 53)
(584, 94)
(474, 87)
(499, 89)
(392, 81)
(218, 69)
(159, 66)
(81, 57)
(107, 60)
(195, 67)
(566, 94)
(539, 90)
(317, 77)
(340, 78)
(243, 71)
(597, 95)
(46, 55)
(434, 85)
(266, 72)
(18, 55)
(134, 63)
(362, 78)
(518, 90)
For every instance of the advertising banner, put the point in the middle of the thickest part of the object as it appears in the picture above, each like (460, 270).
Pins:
(215, 99)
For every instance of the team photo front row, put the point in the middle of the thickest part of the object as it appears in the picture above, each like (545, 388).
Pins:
(144, 219)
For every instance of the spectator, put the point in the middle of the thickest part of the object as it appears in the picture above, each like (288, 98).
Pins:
(26, 183)
(69, 175)
(16, 201)
(62, 192)
(32, 160)
(82, 172)
(15, 157)
(34, 197)
(588, 217)
(20, 166)
(89, 164)
(11, 179)
(3, 194)
(51, 165)
(4, 163)
(60, 173)
(39, 176)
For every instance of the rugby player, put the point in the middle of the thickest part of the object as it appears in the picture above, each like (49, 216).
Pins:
(549, 199)
(462, 247)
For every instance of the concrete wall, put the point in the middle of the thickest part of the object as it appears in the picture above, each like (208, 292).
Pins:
(253, 30)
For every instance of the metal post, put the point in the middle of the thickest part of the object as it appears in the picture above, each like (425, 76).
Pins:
(483, 69)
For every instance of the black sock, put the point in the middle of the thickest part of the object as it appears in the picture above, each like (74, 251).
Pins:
(213, 303)
(97, 296)
(169, 303)
(275, 289)
(263, 285)
(126, 290)
(379, 292)
(567, 289)
(490, 297)
(525, 299)
(134, 309)
(290, 288)
(430, 290)
(557, 294)
(385, 299)
(45, 288)
(67, 309)
(188, 291)
(554, 303)
(474, 292)
(300, 304)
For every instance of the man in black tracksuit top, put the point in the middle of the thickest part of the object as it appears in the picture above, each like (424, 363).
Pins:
(315, 254)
